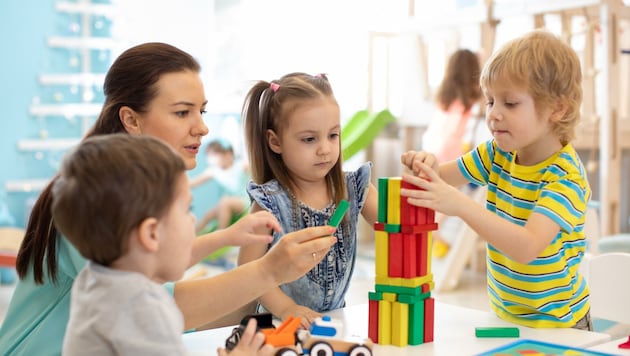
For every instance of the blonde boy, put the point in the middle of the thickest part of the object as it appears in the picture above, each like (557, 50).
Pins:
(537, 186)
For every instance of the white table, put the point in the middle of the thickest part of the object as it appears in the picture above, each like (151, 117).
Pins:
(454, 333)
(612, 347)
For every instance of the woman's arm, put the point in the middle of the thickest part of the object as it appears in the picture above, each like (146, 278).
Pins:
(250, 229)
(275, 300)
(205, 300)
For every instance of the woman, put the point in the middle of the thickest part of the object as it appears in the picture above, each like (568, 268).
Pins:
(151, 89)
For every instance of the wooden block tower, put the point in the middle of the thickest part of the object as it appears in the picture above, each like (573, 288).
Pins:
(401, 307)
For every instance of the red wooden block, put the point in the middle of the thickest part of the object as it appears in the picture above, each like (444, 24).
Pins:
(429, 318)
(409, 256)
(422, 259)
(425, 288)
(416, 229)
(373, 320)
(408, 212)
(379, 226)
(395, 255)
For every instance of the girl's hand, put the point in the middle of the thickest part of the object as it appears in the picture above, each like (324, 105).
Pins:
(297, 253)
(433, 192)
(244, 231)
(251, 343)
(413, 159)
(306, 315)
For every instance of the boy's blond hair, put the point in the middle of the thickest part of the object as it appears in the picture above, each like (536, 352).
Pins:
(550, 70)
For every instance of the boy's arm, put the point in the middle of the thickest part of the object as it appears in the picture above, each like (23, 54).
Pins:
(521, 243)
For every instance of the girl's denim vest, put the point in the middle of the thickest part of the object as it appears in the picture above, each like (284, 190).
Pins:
(324, 287)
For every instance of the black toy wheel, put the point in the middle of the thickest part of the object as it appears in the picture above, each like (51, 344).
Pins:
(360, 350)
(285, 351)
(321, 348)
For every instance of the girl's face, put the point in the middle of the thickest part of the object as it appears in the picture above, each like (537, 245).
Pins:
(310, 143)
(175, 114)
(176, 232)
(517, 125)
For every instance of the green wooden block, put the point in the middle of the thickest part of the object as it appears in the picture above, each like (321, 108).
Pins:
(375, 296)
(337, 216)
(392, 228)
(497, 332)
(416, 324)
(398, 289)
(382, 199)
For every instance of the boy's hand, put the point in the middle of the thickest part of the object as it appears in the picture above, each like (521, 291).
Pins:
(244, 231)
(434, 193)
(413, 159)
(251, 343)
(297, 253)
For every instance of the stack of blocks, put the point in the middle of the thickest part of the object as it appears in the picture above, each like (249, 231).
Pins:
(401, 308)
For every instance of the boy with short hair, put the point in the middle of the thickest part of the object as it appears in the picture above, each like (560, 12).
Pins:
(537, 185)
(124, 202)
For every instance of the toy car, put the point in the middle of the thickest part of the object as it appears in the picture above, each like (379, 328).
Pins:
(320, 340)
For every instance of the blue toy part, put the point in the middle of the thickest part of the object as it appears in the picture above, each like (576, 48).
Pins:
(324, 326)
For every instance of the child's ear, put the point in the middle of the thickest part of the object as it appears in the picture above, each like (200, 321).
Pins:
(273, 142)
(559, 109)
(129, 120)
(148, 235)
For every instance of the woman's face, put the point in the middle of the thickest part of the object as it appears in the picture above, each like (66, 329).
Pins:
(176, 114)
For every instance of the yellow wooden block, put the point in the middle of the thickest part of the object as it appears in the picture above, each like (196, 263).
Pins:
(384, 322)
(388, 281)
(390, 297)
(429, 249)
(417, 281)
(381, 248)
(393, 200)
(400, 324)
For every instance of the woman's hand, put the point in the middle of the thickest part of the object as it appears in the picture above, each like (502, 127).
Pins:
(297, 253)
(244, 231)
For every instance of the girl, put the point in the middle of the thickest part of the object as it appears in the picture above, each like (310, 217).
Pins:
(293, 140)
(456, 98)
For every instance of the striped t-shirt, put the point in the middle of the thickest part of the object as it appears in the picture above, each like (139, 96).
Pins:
(549, 291)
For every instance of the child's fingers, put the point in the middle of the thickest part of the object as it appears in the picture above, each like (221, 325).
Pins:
(248, 334)
(221, 351)
(417, 181)
(312, 233)
(266, 350)
(428, 170)
(258, 239)
(268, 220)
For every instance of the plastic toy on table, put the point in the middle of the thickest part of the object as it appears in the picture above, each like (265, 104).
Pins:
(320, 339)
